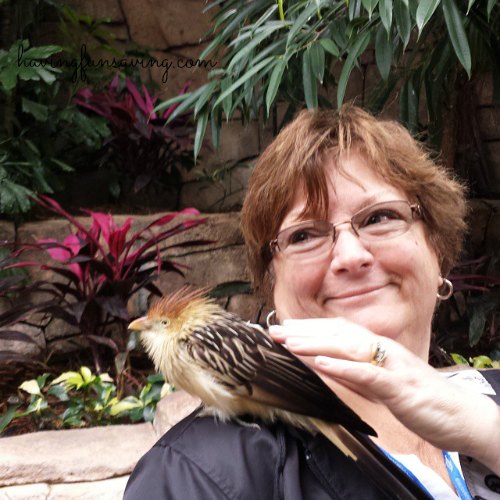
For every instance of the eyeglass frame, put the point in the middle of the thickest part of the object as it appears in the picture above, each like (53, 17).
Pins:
(416, 213)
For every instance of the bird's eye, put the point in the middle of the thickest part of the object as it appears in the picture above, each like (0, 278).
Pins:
(165, 322)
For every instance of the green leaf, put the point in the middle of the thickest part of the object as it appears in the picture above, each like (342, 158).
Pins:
(317, 57)
(458, 359)
(409, 105)
(383, 52)
(246, 76)
(225, 83)
(87, 375)
(39, 111)
(274, 83)
(369, 5)
(301, 21)
(357, 49)
(8, 78)
(456, 32)
(251, 45)
(59, 392)
(124, 405)
(489, 8)
(7, 417)
(201, 126)
(481, 362)
(42, 52)
(329, 46)
(31, 387)
(215, 125)
(471, 3)
(385, 11)
(424, 12)
(403, 21)
(309, 81)
(205, 96)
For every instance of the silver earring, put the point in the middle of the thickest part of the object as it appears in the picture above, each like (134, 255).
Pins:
(271, 317)
(448, 290)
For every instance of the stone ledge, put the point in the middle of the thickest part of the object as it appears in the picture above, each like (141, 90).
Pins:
(109, 489)
(83, 463)
(73, 455)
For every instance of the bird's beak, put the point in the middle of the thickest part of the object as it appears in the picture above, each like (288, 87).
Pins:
(139, 323)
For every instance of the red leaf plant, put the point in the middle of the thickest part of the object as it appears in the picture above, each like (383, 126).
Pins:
(145, 150)
(100, 267)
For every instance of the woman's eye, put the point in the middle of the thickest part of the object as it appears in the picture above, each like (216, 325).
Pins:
(380, 217)
(299, 236)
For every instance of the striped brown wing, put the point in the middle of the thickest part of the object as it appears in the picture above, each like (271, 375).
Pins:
(243, 358)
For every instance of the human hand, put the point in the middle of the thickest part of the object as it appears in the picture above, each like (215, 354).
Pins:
(446, 415)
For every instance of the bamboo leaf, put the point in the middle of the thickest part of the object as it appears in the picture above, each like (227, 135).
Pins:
(244, 52)
(456, 32)
(369, 5)
(274, 83)
(301, 21)
(383, 52)
(489, 8)
(409, 105)
(471, 3)
(246, 76)
(403, 21)
(425, 10)
(357, 49)
(201, 127)
(228, 100)
(385, 11)
(329, 46)
(205, 96)
(317, 57)
(309, 81)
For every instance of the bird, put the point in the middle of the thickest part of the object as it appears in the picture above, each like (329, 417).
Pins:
(236, 369)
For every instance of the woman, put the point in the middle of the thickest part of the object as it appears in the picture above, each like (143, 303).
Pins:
(347, 221)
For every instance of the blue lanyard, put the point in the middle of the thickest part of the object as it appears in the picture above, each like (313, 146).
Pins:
(407, 471)
(456, 477)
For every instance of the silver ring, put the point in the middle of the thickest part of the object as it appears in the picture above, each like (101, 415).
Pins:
(378, 354)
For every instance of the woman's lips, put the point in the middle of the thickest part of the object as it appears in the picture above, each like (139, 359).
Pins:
(358, 292)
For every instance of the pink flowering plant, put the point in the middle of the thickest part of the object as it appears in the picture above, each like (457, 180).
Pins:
(99, 268)
(146, 151)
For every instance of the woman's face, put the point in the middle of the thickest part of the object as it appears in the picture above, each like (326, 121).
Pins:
(386, 286)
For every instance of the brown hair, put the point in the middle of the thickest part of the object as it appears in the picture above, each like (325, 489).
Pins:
(295, 160)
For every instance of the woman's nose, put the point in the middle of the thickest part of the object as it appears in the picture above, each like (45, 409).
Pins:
(349, 253)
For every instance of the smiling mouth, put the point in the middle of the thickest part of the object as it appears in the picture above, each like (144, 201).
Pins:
(357, 293)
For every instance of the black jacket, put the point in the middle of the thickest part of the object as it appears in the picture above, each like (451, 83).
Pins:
(201, 458)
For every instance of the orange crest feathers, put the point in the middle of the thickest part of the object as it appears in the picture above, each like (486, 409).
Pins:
(174, 304)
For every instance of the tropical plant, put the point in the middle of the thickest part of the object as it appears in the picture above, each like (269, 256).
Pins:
(265, 48)
(43, 134)
(468, 323)
(82, 399)
(100, 268)
(15, 309)
(144, 149)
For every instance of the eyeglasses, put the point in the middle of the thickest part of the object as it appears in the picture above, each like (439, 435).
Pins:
(381, 221)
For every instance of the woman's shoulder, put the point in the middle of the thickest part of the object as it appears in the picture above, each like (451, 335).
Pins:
(211, 458)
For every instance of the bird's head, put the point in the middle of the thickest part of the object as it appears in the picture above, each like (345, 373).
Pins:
(171, 318)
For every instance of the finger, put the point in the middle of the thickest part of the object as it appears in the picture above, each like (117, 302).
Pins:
(372, 382)
(349, 349)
